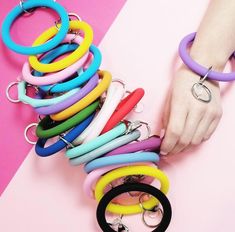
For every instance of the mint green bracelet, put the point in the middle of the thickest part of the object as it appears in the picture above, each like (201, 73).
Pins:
(41, 102)
(120, 141)
(97, 142)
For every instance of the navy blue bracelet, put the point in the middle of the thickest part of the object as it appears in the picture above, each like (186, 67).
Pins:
(64, 141)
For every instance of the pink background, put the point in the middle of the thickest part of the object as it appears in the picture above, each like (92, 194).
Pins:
(14, 118)
(140, 47)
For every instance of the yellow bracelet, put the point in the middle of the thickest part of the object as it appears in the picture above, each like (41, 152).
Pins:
(87, 100)
(128, 171)
(70, 59)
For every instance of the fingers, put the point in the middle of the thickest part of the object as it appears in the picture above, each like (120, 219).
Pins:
(175, 127)
(193, 121)
(166, 112)
(199, 126)
(211, 128)
(202, 129)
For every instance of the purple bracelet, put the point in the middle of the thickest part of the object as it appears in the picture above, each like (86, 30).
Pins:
(197, 68)
(150, 144)
(55, 108)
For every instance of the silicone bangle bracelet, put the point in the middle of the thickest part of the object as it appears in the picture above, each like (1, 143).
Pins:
(150, 144)
(93, 177)
(92, 96)
(90, 85)
(17, 11)
(121, 159)
(61, 144)
(98, 142)
(197, 68)
(81, 159)
(70, 59)
(41, 102)
(104, 204)
(52, 55)
(47, 129)
(79, 80)
(125, 107)
(128, 171)
(114, 95)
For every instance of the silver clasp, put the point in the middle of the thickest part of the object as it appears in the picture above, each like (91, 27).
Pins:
(199, 90)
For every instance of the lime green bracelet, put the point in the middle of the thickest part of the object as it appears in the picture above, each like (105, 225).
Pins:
(48, 128)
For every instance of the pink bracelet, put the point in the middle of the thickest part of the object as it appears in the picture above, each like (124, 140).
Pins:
(94, 176)
(58, 76)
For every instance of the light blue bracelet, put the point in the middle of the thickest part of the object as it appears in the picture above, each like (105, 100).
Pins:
(27, 5)
(121, 159)
(41, 102)
(79, 80)
(125, 139)
(97, 142)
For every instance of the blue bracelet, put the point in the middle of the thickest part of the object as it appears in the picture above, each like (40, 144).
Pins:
(37, 102)
(125, 139)
(64, 141)
(18, 10)
(121, 159)
(97, 142)
(79, 80)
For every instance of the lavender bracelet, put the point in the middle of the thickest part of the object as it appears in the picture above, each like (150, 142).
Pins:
(150, 144)
(197, 68)
(55, 108)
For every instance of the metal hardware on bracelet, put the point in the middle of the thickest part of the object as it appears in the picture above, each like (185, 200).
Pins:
(26, 132)
(131, 126)
(76, 33)
(133, 179)
(119, 224)
(155, 209)
(199, 89)
(28, 12)
(69, 145)
(8, 94)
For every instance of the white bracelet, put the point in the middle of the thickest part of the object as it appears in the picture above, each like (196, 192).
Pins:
(113, 98)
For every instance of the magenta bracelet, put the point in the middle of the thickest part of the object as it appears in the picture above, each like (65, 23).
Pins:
(150, 144)
(197, 68)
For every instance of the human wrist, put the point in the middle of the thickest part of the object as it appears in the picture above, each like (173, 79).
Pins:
(208, 56)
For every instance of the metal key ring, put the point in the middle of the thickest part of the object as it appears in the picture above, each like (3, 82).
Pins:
(131, 126)
(69, 145)
(26, 131)
(8, 94)
(28, 12)
(154, 209)
(69, 14)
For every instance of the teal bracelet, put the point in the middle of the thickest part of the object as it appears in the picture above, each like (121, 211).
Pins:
(97, 142)
(41, 102)
(125, 139)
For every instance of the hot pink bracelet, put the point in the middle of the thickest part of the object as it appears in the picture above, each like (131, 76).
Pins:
(58, 76)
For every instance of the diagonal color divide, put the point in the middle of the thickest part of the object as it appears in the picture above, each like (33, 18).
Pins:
(14, 118)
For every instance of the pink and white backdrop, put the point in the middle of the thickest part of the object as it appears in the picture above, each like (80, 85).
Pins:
(139, 41)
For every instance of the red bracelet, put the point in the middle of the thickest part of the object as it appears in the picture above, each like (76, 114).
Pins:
(124, 108)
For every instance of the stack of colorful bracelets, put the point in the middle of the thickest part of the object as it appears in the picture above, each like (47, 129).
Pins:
(87, 111)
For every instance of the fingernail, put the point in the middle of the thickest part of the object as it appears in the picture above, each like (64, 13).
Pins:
(163, 153)
(162, 133)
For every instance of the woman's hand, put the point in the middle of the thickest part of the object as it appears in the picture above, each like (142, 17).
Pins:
(186, 120)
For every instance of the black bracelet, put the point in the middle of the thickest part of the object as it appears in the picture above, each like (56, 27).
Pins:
(109, 196)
